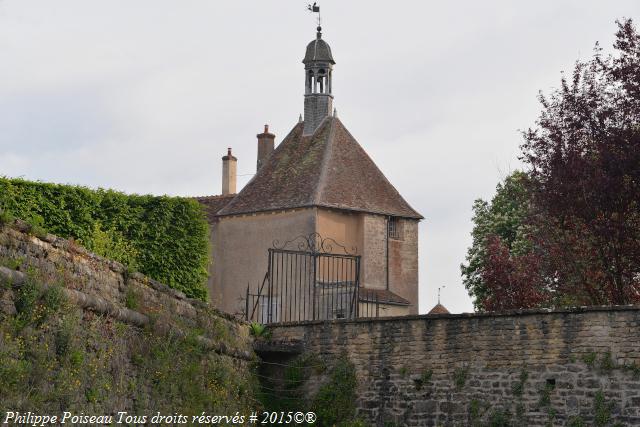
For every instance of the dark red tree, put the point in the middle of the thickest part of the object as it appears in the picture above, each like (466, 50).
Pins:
(584, 156)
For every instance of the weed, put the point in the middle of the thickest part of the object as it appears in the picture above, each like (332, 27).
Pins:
(499, 418)
(131, 299)
(576, 421)
(6, 218)
(589, 358)
(335, 402)
(53, 299)
(460, 377)
(634, 368)
(606, 362)
(424, 379)
(12, 263)
(259, 330)
(28, 295)
(545, 396)
(518, 388)
(602, 410)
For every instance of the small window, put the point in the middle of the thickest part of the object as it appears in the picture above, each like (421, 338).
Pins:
(394, 228)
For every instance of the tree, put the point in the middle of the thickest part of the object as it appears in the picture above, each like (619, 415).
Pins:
(584, 158)
(581, 213)
(500, 222)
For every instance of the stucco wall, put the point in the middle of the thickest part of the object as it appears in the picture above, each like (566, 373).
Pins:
(344, 227)
(374, 263)
(403, 264)
(533, 368)
(239, 251)
(240, 245)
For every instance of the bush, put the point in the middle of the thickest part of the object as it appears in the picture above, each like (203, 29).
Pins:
(335, 403)
(163, 237)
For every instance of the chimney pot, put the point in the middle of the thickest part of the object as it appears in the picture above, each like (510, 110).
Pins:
(229, 173)
(266, 144)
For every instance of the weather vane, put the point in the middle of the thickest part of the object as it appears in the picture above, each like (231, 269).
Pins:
(441, 287)
(314, 8)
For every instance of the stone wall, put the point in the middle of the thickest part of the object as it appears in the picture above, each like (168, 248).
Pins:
(534, 368)
(88, 335)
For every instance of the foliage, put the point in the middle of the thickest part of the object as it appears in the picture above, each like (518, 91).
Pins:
(500, 221)
(460, 376)
(602, 409)
(567, 232)
(54, 355)
(5, 218)
(576, 421)
(424, 379)
(166, 238)
(131, 299)
(335, 402)
(518, 387)
(259, 330)
(499, 418)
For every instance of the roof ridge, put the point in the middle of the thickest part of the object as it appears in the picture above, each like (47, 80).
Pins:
(325, 159)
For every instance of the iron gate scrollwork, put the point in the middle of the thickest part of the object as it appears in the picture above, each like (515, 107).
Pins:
(308, 278)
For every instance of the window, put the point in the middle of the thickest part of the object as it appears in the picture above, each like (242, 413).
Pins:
(394, 228)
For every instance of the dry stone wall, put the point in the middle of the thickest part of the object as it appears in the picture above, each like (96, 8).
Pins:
(533, 368)
(86, 334)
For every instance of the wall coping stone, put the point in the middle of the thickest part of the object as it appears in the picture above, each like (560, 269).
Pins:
(492, 314)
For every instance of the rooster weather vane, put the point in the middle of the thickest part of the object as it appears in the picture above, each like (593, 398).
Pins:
(314, 8)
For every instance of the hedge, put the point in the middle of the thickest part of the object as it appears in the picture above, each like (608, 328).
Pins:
(164, 237)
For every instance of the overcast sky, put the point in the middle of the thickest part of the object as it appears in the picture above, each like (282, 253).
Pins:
(144, 96)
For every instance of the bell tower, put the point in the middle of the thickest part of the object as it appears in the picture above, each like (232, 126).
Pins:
(318, 98)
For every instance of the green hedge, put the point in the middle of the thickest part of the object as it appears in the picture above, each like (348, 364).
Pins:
(165, 238)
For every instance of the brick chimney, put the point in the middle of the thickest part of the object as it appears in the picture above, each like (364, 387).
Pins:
(266, 143)
(229, 173)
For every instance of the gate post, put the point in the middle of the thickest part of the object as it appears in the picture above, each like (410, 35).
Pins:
(246, 305)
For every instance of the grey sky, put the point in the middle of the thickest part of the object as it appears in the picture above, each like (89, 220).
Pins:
(144, 96)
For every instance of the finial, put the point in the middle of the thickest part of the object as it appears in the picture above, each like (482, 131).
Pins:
(300, 119)
(335, 112)
(441, 287)
(229, 151)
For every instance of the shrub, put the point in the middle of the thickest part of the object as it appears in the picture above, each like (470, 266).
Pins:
(335, 402)
(164, 237)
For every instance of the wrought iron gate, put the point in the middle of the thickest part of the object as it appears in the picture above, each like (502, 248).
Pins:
(306, 280)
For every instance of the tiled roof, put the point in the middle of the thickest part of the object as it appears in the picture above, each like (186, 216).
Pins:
(328, 169)
(212, 204)
(382, 296)
(439, 309)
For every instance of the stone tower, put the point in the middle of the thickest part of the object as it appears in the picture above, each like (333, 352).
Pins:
(318, 67)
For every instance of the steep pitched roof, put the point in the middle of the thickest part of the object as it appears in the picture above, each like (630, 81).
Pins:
(439, 309)
(212, 204)
(328, 169)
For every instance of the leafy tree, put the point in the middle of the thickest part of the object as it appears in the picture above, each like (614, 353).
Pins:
(584, 156)
(499, 225)
(573, 231)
